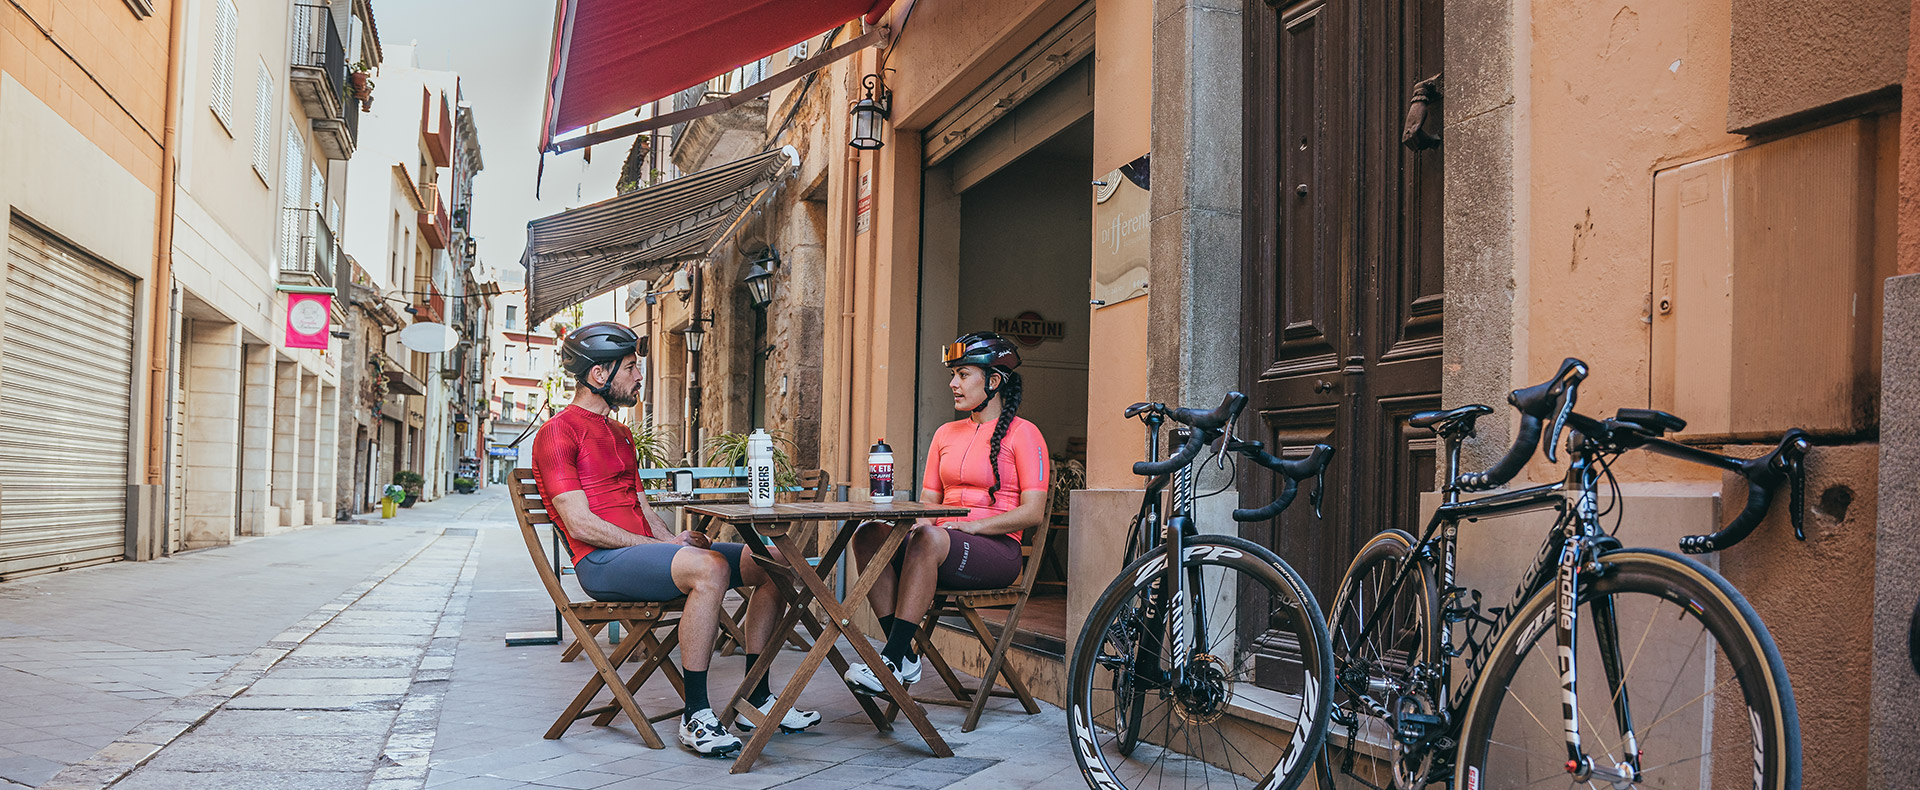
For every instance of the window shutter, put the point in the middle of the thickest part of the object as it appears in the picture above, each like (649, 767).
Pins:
(226, 36)
(290, 214)
(262, 123)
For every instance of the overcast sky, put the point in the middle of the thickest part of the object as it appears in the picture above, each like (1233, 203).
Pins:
(500, 49)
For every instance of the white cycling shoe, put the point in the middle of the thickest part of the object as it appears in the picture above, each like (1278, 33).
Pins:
(795, 720)
(860, 677)
(702, 733)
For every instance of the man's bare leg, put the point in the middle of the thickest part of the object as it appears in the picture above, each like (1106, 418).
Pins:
(766, 604)
(703, 576)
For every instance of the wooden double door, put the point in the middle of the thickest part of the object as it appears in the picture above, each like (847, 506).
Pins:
(1343, 296)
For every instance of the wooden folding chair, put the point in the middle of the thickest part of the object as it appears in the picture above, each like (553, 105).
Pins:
(815, 485)
(967, 604)
(585, 618)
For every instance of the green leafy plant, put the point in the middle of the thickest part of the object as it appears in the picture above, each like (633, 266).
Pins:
(411, 481)
(393, 493)
(463, 481)
(730, 449)
(651, 445)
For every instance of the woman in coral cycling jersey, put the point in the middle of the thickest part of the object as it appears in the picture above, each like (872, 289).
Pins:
(994, 464)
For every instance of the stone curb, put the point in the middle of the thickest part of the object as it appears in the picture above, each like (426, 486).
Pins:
(113, 763)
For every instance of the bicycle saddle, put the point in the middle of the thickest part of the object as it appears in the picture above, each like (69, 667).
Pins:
(1444, 421)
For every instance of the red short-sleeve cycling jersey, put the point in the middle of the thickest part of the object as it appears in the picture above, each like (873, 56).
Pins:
(959, 471)
(578, 450)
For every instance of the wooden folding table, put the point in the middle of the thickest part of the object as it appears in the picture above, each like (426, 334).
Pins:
(774, 523)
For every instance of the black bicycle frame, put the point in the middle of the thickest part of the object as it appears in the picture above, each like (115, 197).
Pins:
(1574, 542)
(1166, 622)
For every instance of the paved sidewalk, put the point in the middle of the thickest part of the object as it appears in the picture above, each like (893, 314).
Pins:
(371, 656)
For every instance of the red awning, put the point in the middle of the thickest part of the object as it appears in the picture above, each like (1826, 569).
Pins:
(611, 56)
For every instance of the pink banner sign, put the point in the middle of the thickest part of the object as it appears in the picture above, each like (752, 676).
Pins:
(308, 320)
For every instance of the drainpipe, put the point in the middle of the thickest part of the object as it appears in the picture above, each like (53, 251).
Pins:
(162, 283)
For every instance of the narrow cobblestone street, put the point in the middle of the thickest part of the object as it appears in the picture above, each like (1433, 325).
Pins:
(371, 655)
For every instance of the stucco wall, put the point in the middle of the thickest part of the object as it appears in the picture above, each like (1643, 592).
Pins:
(1122, 128)
(1616, 93)
(1793, 57)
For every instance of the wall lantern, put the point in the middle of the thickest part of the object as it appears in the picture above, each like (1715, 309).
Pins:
(870, 114)
(696, 337)
(760, 281)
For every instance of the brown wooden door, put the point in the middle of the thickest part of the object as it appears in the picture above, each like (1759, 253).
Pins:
(1343, 291)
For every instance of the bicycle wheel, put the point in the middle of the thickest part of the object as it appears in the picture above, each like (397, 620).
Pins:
(1253, 621)
(1373, 670)
(1690, 658)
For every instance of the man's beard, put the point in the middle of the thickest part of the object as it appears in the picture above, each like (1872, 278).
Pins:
(621, 400)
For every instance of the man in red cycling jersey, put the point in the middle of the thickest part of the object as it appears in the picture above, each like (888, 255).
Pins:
(588, 473)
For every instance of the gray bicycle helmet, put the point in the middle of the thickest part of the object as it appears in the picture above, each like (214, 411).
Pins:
(603, 343)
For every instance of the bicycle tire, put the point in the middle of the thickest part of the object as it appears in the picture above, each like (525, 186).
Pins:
(1658, 584)
(1118, 612)
(1363, 661)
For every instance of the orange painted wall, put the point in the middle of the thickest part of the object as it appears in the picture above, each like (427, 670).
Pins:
(1122, 128)
(1618, 92)
(101, 38)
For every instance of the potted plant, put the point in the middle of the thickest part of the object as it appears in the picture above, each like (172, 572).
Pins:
(390, 498)
(464, 485)
(410, 482)
(359, 80)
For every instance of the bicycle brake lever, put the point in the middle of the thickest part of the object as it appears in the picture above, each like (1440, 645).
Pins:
(1559, 422)
(1797, 475)
(1319, 493)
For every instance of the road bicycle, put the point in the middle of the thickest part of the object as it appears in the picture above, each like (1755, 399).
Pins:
(1614, 667)
(1173, 649)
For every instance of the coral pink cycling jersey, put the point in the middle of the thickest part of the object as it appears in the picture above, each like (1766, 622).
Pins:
(959, 471)
(578, 450)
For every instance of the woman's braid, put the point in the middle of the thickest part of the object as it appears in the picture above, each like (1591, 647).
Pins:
(1009, 408)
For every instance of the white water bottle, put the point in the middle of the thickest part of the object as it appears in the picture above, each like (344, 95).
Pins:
(760, 469)
(880, 472)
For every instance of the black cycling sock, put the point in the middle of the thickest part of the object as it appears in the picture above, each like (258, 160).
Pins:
(761, 693)
(899, 641)
(696, 692)
(886, 624)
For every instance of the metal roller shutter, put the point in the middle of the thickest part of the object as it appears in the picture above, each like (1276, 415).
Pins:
(66, 391)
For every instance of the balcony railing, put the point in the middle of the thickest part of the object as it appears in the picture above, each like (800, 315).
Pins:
(436, 128)
(434, 225)
(316, 44)
(319, 77)
(316, 254)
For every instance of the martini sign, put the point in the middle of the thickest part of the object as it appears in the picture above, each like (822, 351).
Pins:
(1030, 329)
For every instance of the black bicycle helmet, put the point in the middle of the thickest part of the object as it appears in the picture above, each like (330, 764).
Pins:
(603, 343)
(984, 349)
(989, 351)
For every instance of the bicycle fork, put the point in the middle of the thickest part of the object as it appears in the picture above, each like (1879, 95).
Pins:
(1580, 555)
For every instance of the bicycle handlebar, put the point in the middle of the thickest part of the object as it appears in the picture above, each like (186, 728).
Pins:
(1762, 474)
(1291, 473)
(1551, 400)
(1208, 425)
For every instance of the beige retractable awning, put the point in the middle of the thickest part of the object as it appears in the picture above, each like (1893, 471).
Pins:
(584, 252)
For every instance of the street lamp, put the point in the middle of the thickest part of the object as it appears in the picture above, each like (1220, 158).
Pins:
(870, 114)
(760, 281)
(695, 336)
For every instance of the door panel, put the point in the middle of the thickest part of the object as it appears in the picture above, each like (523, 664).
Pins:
(1344, 289)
